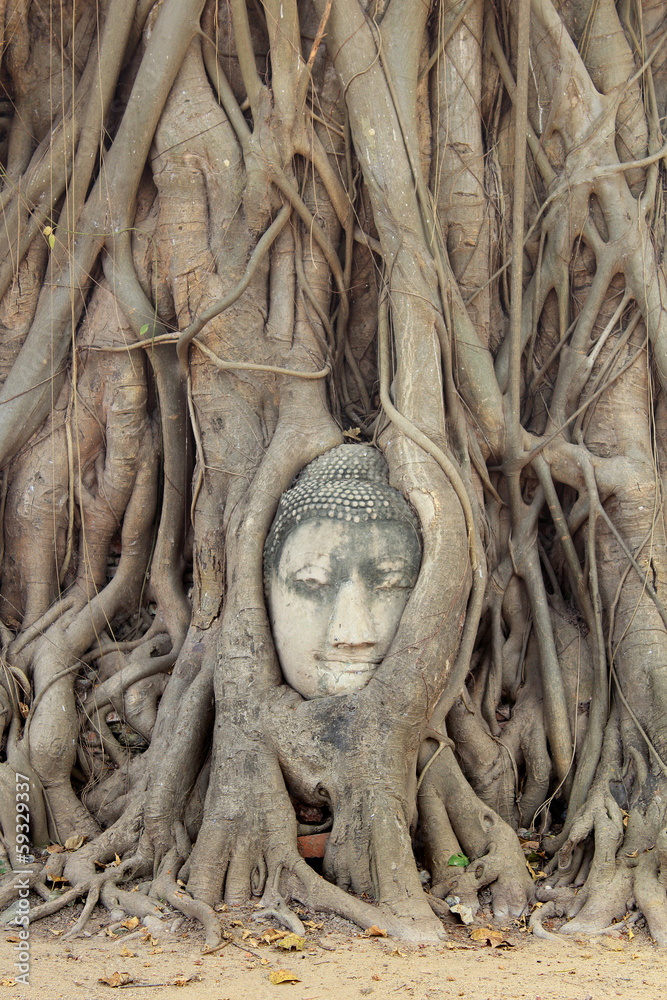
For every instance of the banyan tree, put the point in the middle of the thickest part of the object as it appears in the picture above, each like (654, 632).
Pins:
(419, 245)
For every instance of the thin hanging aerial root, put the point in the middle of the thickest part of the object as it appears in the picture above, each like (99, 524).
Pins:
(38, 628)
(258, 254)
(413, 432)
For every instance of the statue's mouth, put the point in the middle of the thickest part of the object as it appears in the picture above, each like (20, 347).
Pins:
(351, 666)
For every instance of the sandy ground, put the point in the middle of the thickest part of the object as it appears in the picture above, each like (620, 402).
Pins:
(336, 962)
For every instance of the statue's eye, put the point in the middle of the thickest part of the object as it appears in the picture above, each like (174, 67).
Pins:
(310, 582)
(393, 581)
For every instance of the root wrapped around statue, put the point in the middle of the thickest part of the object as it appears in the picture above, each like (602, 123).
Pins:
(342, 735)
(333, 374)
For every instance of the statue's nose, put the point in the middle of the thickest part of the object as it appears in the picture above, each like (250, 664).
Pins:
(351, 624)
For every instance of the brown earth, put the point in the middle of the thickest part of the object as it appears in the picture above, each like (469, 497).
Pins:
(337, 962)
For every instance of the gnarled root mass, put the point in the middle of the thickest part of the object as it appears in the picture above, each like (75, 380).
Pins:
(234, 236)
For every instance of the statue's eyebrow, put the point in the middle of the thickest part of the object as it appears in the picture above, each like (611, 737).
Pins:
(393, 561)
(397, 563)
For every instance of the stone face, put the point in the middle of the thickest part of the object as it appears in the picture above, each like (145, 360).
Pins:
(340, 560)
(335, 599)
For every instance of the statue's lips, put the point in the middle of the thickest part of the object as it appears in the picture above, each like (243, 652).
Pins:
(350, 666)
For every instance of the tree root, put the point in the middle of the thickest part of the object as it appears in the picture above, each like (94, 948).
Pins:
(453, 819)
(649, 890)
(89, 906)
(165, 887)
(319, 895)
(550, 909)
(121, 903)
(273, 905)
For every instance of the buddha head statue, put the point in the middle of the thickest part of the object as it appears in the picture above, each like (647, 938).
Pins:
(340, 561)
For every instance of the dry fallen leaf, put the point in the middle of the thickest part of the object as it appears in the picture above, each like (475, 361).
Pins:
(456, 906)
(312, 926)
(7, 982)
(55, 849)
(488, 936)
(375, 931)
(126, 953)
(131, 923)
(534, 873)
(116, 979)
(271, 934)
(291, 942)
(282, 976)
(156, 951)
(74, 842)
(13, 939)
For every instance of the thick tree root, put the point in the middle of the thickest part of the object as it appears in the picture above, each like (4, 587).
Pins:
(165, 887)
(616, 858)
(453, 820)
(650, 887)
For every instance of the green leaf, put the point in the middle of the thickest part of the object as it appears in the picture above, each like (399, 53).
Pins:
(143, 330)
(52, 240)
(458, 861)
